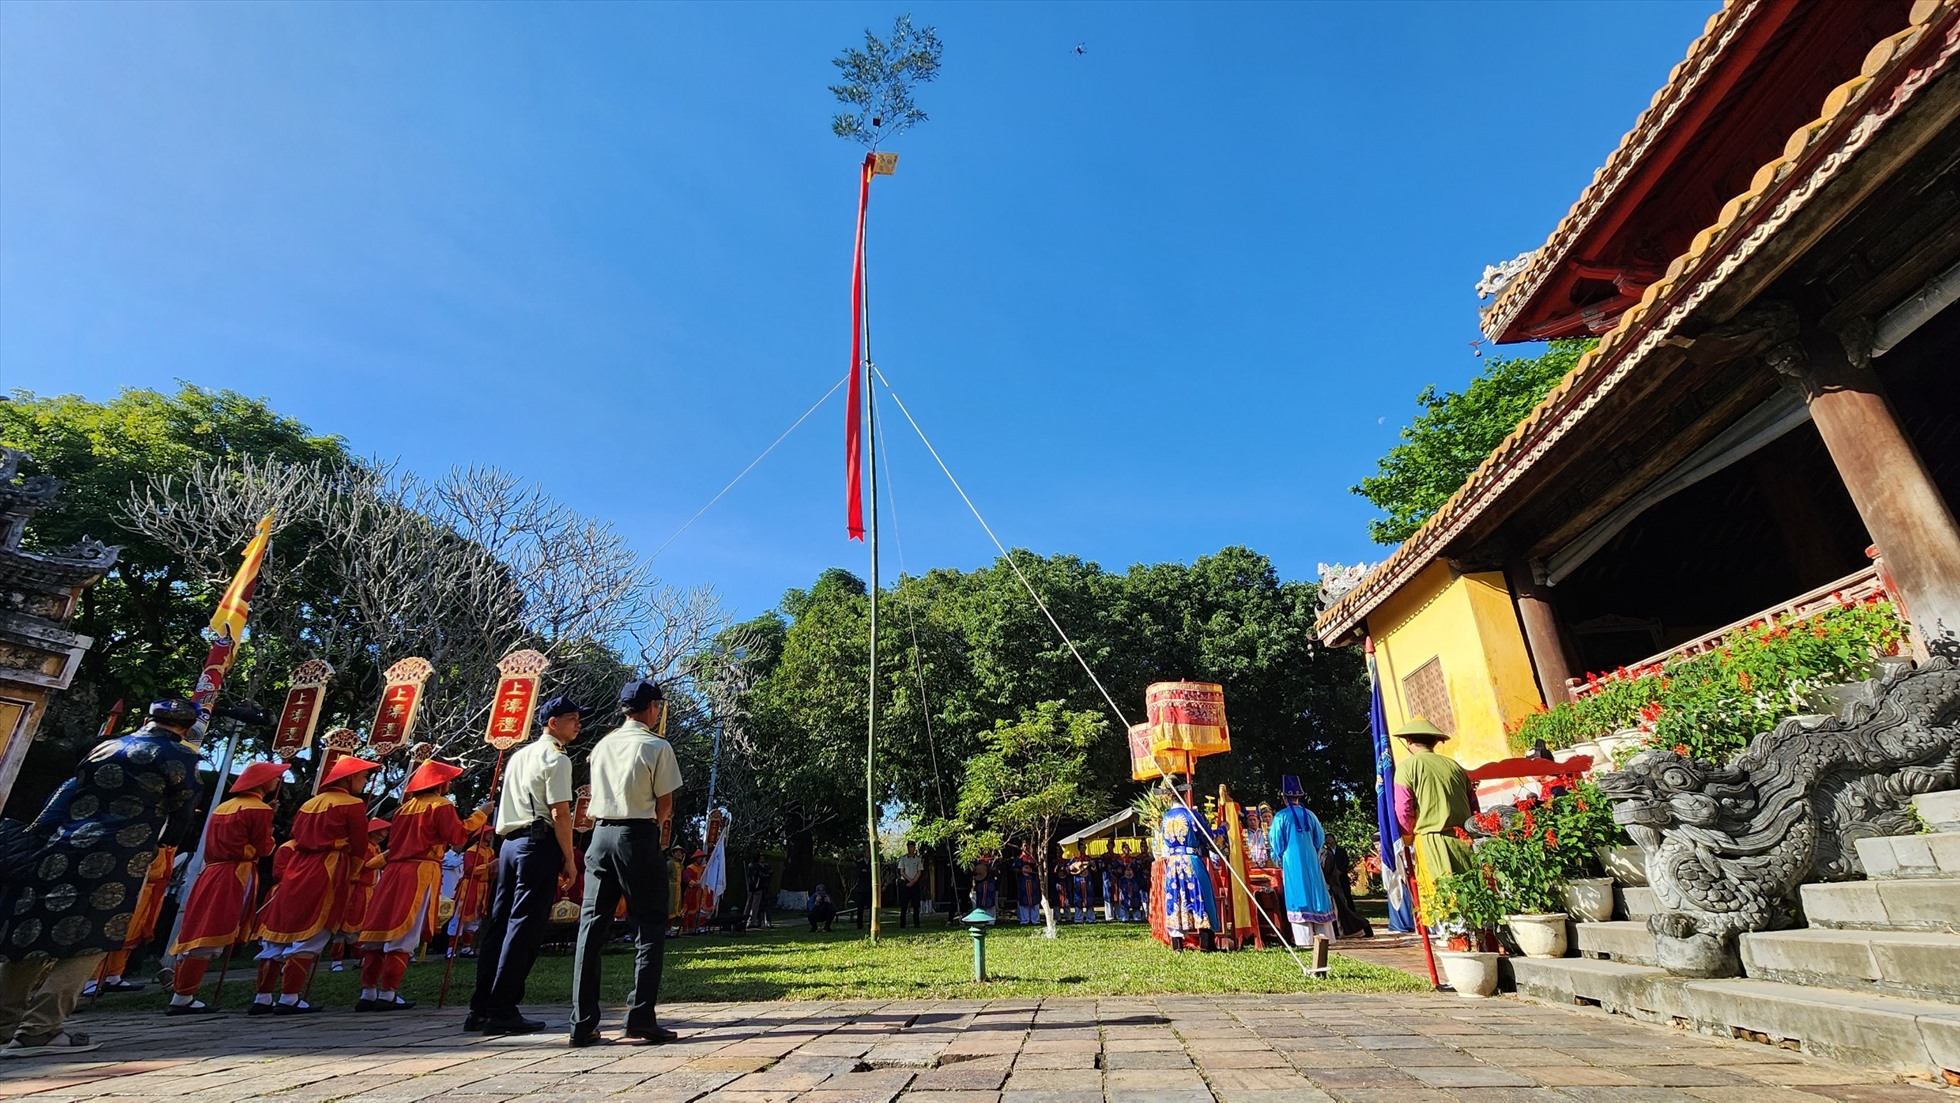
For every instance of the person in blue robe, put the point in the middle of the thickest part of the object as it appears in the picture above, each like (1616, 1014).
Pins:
(1296, 841)
(1190, 907)
(983, 884)
(1027, 887)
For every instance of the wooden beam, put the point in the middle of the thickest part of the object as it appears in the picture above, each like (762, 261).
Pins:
(1544, 636)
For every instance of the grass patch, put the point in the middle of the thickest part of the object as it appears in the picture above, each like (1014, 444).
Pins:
(936, 962)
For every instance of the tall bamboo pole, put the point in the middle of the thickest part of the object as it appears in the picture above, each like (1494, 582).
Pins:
(871, 700)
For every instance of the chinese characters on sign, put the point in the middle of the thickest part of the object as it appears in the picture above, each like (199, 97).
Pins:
(394, 721)
(517, 694)
(301, 714)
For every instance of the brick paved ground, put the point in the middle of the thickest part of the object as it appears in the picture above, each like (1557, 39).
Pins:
(1182, 1049)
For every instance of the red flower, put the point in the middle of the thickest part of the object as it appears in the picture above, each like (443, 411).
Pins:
(1460, 833)
(1581, 802)
(1744, 680)
(1550, 838)
(1681, 749)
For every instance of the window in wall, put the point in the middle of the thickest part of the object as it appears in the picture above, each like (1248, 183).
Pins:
(1428, 695)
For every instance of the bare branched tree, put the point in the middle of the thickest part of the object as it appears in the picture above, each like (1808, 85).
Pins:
(370, 566)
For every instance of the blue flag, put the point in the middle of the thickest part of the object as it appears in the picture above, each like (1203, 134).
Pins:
(1395, 879)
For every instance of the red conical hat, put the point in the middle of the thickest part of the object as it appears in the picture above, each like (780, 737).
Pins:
(375, 825)
(345, 767)
(432, 774)
(256, 775)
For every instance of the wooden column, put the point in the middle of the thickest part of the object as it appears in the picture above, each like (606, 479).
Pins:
(1910, 522)
(1543, 636)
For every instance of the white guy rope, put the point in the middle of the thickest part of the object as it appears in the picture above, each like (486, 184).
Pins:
(751, 467)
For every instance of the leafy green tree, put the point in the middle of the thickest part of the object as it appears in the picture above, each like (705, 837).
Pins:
(147, 614)
(1454, 433)
(878, 83)
(1031, 776)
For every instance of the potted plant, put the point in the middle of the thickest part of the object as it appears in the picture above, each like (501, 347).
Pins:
(1466, 908)
(1582, 821)
(1529, 870)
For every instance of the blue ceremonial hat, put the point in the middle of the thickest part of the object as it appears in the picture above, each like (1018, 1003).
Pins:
(175, 710)
(639, 693)
(562, 706)
(1289, 786)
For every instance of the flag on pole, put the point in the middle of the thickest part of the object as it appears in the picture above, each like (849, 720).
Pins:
(228, 622)
(1395, 879)
(854, 412)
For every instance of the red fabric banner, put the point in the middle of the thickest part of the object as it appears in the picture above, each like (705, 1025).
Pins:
(854, 415)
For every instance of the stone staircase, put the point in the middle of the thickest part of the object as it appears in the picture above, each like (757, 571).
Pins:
(1873, 980)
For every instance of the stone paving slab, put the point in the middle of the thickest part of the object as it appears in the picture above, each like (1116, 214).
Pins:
(1173, 1049)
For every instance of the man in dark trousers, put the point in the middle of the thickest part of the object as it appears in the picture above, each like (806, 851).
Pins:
(534, 822)
(634, 777)
(757, 907)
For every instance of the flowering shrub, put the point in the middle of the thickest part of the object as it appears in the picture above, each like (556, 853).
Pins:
(1522, 856)
(1583, 822)
(1465, 905)
(1709, 705)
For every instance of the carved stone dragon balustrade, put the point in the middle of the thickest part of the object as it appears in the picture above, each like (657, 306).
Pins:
(1728, 846)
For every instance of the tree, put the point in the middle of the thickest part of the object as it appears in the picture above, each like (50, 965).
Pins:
(1454, 433)
(878, 82)
(1030, 776)
(146, 615)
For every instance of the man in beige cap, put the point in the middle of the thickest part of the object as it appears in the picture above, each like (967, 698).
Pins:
(1432, 795)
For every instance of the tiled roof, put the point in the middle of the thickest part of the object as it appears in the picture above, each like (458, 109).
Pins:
(1722, 28)
(1777, 190)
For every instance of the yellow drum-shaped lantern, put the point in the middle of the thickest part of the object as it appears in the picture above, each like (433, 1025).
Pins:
(1148, 765)
(1188, 717)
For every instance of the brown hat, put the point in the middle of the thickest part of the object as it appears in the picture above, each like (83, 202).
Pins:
(1420, 730)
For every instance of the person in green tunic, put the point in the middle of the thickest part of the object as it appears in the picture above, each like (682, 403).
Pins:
(1432, 796)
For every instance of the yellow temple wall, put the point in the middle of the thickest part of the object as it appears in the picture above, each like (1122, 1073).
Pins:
(1466, 622)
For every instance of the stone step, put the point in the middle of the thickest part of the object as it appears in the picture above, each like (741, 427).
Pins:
(1895, 904)
(1620, 940)
(1910, 856)
(1941, 810)
(1915, 1037)
(1636, 903)
(1920, 964)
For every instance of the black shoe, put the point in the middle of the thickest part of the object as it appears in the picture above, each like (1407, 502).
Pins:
(659, 1035)
(519, 1025)
(474, 1023)
(580, 1041)
(257, 1008)
(365, 1004)
(293, 1009)
(189, 1009)
(396, 1004)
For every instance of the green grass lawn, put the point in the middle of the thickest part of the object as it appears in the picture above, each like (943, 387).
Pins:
(936, 962)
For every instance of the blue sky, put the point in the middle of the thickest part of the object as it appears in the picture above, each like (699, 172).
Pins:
(1172, 293)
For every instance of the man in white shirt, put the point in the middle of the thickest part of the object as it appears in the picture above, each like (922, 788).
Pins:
(911, 868)
(634, 777)
(534, 822)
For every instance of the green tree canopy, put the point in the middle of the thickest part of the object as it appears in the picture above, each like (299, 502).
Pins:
(1454, 433)
(146, 615)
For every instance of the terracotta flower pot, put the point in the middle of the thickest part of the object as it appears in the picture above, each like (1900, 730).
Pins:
(1589, 899)
(1539, 935)
(1473, 975)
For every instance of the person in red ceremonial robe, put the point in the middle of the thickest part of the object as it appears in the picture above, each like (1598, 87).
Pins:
(473, 891)
(402, 911)
(309, 907)
(362, 889)
(218, 910)
(142, 925)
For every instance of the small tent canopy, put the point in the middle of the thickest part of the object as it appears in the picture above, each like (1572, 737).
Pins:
(1101, 828)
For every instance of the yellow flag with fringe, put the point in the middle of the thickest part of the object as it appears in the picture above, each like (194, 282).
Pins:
(228, 622)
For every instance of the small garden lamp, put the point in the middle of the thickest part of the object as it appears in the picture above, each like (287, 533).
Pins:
(977, 922)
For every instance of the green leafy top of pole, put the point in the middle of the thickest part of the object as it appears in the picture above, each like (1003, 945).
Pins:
(878, 83)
